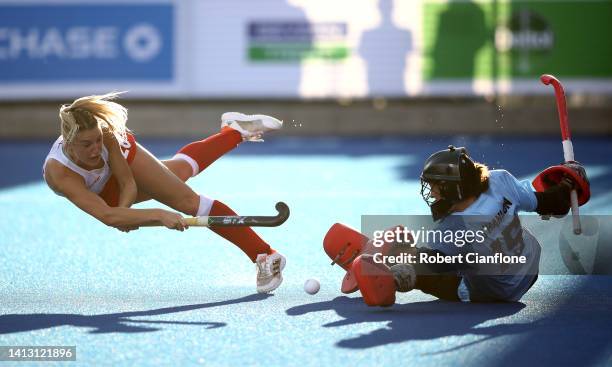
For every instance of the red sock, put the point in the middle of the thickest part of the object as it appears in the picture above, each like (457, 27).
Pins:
(206, 151)
(244, 237)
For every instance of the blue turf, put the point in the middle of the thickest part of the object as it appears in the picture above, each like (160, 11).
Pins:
(162, 297)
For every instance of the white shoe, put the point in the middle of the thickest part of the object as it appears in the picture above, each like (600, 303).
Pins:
(269, 268)
(251, 127)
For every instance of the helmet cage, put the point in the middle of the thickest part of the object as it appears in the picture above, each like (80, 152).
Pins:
(450, 191)
(426, 192)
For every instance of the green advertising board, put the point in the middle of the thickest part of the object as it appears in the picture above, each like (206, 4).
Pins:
(517, 39)
(296, 41)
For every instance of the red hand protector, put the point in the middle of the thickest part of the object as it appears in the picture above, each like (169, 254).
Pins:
(554, 175)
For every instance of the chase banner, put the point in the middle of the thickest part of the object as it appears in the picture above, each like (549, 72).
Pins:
(71, 43)
(302, 48)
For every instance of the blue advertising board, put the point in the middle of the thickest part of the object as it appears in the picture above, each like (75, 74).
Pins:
(55, 43)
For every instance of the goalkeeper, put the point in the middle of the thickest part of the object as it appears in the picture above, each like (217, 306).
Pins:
(464, 195)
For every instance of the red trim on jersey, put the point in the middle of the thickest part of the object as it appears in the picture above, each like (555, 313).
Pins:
(131, 150)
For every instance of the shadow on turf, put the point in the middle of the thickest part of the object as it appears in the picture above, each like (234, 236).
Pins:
(575, 332)
(417, 320)
(115, 322)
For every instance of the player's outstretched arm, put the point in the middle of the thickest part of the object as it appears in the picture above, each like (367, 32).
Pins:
(555, 184)
(73, 188)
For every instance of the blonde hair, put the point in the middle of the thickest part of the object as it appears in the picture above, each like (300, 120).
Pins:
(90, 111)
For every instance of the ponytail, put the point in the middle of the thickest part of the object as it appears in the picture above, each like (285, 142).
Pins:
(87, 112)
(477, 181)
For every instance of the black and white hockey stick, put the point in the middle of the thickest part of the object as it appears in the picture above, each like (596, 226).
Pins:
(242, 221)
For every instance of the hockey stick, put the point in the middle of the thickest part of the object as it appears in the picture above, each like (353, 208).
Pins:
(568, 149)
(242, 221)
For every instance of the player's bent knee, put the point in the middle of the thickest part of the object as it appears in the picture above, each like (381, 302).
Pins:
(188, 204)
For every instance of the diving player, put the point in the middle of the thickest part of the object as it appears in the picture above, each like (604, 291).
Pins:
(464, 195)
(97, 164)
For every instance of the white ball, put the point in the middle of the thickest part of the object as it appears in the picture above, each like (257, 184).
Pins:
(312, 286)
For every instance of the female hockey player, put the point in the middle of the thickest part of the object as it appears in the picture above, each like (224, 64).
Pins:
(97, 164)
(464, 195)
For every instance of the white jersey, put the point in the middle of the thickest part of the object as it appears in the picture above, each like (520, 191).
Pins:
(95, 179)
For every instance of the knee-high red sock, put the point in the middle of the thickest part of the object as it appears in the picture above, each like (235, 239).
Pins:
(243, 237)
(205, 152)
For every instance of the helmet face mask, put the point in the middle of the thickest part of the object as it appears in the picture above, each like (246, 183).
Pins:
(427, 192)
(444, 172)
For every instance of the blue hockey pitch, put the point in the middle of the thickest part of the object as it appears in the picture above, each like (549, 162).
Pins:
(155, 296)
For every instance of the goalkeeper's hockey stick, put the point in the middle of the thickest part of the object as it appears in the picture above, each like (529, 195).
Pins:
(568, 149)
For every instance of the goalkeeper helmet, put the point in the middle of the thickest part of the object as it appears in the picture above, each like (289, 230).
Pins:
(450, 171)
